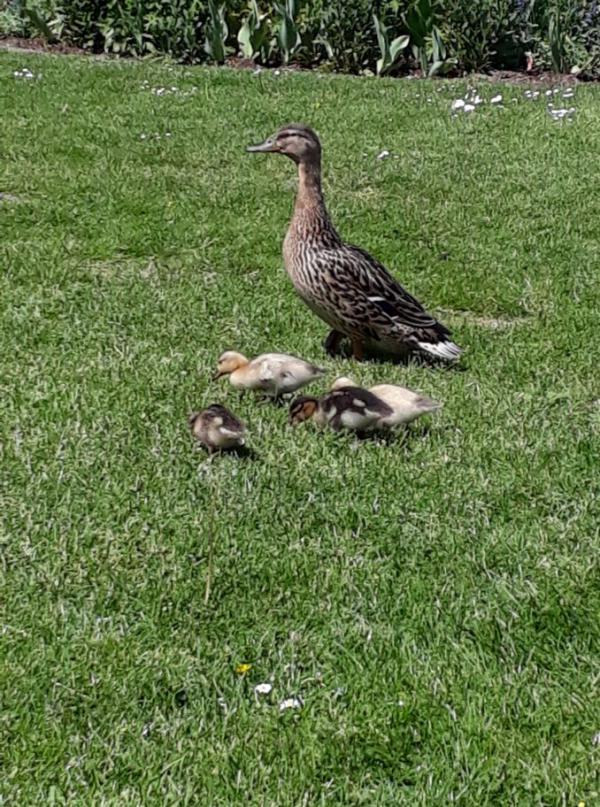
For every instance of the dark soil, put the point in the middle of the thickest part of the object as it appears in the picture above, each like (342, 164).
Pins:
(37, 45)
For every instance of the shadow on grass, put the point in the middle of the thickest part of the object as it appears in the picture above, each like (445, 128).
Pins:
(242, 453)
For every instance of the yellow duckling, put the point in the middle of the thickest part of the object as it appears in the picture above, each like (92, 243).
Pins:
(405, 404)
(275, 374)
(350, 408)
(217, 428)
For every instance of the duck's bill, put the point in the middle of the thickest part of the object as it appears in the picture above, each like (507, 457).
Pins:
(265, 146)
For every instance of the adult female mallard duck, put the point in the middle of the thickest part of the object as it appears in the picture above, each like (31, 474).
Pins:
(341, 283)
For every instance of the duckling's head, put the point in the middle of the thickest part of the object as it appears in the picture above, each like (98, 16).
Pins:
(297, 141)
(229, 362)
(302, 408)
(343, 381)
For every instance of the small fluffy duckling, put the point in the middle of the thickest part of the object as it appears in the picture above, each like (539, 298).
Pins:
(217, 428)
(350, 408)
(275, 374)
(406, 405)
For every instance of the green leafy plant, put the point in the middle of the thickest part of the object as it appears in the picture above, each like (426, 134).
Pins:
(426, 38)
(345, 33)
(390, 51)
(40, 17)
(12, 19)
(216, 32)
(348, 35)
(556, 40)
(255, 34)
(287, 34)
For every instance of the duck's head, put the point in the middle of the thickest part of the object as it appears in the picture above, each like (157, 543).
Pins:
(302, 408)
(297, 141)
(229, 362)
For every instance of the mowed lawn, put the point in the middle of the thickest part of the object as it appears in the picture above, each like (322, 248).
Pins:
(432, 603)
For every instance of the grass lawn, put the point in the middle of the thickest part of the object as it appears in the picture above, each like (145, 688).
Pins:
(434, 603)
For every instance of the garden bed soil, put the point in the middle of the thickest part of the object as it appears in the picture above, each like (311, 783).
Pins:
(40, 45)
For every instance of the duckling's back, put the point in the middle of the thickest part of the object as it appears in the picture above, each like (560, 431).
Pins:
(354, 408)
(406, 404)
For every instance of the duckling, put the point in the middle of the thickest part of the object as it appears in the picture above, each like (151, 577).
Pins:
(275, 374)
(406, 405)
(342, 284)
(217, 428)
(350, 408)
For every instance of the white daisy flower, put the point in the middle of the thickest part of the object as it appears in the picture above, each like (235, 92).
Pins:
(290, 703)
(263, 689)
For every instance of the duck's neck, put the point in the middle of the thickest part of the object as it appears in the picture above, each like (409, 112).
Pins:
(310, 194)
(311, 219)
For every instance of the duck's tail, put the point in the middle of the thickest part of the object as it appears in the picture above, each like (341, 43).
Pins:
(447, 351)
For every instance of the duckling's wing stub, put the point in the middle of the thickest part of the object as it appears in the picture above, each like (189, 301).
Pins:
(362, 399)
(354, 405)
(229, 422)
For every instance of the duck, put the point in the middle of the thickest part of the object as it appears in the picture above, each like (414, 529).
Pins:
(350, 408)
(274, 374)
(341, 283)
(405, 404)
(217, 428)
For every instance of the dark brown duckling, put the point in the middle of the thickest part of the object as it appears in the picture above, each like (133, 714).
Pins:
(217, 428)
(351, 408)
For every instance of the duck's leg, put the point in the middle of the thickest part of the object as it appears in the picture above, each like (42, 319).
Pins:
(358, 349)
(332, 343)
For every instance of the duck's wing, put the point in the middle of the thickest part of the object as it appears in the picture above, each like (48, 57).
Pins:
(354, 401)
(284, 362)
(225, 421)
(288, 370)
(377, 304)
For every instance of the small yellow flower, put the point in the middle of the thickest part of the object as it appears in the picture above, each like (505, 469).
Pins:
(581, 804)
(242, 669)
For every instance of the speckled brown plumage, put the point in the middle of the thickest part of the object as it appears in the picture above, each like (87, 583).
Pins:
(344, 285)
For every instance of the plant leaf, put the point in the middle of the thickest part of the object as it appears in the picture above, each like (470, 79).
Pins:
(398, 45)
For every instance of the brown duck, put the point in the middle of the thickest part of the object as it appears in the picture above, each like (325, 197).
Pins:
(217, 428)
(346, 287)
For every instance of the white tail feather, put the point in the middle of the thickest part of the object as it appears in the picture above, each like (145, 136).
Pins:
(441, 350)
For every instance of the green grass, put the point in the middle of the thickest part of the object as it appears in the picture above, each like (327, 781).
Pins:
(434, 602)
